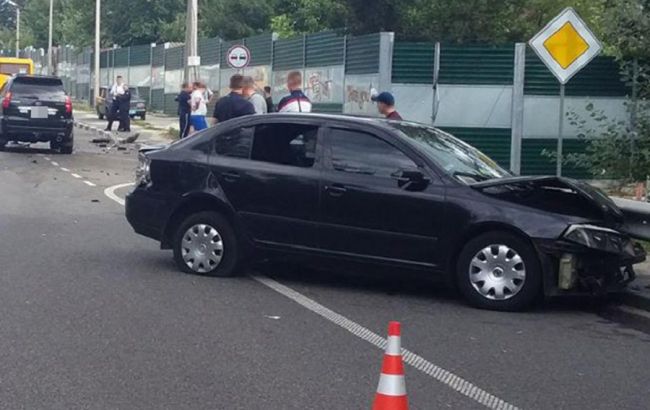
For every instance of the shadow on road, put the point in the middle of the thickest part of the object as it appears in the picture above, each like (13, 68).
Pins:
(407, 285)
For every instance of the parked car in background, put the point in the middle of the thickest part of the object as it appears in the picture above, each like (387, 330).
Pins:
(138, 107)
(36, 109)
(379, 192)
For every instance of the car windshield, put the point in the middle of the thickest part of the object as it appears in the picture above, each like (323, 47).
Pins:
(457, 158)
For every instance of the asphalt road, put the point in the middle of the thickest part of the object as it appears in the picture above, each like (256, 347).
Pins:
(96, 317)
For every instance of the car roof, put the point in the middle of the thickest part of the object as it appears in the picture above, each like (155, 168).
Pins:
(49, 77)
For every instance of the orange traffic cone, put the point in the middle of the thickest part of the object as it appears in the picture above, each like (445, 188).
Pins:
(391, 391)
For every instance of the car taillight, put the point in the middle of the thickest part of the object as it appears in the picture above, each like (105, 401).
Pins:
(6, 102)
(68, 105)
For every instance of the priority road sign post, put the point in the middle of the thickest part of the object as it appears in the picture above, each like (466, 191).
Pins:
(239, 56)
(565, 46)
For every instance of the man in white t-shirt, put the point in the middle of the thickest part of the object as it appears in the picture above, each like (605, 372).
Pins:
(199, 107)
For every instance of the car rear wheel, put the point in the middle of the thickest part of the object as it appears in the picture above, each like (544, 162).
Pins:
(499, 271)
(144, 117)
(66, 149)
(205, 244)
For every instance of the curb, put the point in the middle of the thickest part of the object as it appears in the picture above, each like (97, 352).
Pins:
(100, 132)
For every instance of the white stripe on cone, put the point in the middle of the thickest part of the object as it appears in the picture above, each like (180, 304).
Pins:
(392, 385)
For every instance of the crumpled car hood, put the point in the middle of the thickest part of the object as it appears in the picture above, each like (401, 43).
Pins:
(557, 195)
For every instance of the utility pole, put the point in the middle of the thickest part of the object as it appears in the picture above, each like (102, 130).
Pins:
(98, 15)
(50, 70)
(11, 3)
(192, 60)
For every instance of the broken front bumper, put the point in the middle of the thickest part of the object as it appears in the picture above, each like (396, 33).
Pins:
(570, 268)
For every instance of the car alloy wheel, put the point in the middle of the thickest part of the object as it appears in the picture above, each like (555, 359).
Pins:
(497, 272)
(202, 248)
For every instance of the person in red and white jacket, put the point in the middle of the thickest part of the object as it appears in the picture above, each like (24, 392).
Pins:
(296, 101)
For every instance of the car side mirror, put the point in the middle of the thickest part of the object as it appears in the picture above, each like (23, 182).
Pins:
(411, 179)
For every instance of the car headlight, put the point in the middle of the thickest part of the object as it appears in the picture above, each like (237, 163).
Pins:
(597, 237)
(143, 171)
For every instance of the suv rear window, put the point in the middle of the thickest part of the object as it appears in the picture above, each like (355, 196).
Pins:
(41, 88)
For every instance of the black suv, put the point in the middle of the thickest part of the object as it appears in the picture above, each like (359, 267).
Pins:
(36, 109)
(379, 192)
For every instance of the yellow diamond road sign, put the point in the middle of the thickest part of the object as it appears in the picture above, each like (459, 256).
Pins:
(566, 45)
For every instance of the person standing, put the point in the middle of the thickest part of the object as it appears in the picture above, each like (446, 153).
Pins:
(184, 109)
(116, 91)
(233, 105)
(296, 101)
(250, 92)
(199, 107)
(124, 102)
(269, 99)
(386, 106)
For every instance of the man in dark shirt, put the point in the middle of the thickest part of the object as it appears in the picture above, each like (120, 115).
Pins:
(386, 106)
(233, 105)
(184, 109)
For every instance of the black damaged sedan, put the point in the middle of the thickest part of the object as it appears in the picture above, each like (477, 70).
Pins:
(377, 192)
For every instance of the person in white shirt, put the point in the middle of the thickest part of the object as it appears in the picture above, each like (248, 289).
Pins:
(255, 98)
(199, 107)
(114, 95)
(118, 86)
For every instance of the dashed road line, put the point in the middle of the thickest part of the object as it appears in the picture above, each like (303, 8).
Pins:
(76, 175)
(46, 158)
(451, 380)
(89, 183)
(64, 169)
(56, 164)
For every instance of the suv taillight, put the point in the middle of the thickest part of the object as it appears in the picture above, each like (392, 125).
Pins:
(68, 104)
(7, 100)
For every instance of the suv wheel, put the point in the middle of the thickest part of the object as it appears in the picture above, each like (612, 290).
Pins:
(499, 271)
(66, 149)
(205, 244)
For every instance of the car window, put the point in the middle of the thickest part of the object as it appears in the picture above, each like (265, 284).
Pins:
(235, 143)
(285, 144)
(361, 153)
(40, 88)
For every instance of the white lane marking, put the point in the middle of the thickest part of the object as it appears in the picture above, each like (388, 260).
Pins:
(46, 158)
(76, 175)
(56, 164)
(446, 377)
(64, 169)
(89, 183)
(110, 192)
(40, 155)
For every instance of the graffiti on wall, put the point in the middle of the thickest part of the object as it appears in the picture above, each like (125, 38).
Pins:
(358, 90)
(324, 85)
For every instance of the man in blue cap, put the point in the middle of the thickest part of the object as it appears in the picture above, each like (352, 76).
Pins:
(386, 106)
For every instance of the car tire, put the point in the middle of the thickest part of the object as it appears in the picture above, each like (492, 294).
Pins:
(216, 245)
(3, 144)
(54, 146)
(144, 117)
(510, 267)
(67, 149)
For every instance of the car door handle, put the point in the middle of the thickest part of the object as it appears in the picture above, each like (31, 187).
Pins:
(230, 176)
(335, 190)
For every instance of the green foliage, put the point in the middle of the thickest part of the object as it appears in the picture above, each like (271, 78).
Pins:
(615, 149)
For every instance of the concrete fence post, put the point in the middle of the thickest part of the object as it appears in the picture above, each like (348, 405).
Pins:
(517, 116)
